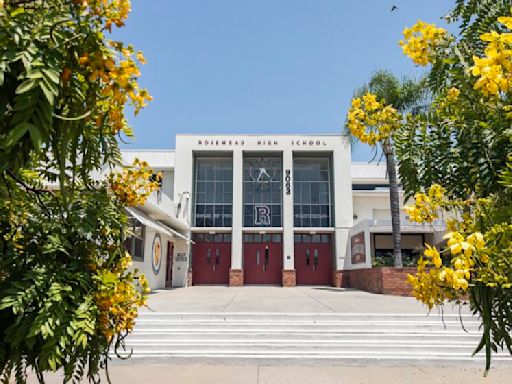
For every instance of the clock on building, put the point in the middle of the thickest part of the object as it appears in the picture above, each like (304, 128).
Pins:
(263, 171)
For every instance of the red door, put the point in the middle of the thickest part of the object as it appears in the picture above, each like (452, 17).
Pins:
(313, 259)
(263, 259)
(168, 269)
(211, 259)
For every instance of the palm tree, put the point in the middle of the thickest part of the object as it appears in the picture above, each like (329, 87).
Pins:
(406, 96)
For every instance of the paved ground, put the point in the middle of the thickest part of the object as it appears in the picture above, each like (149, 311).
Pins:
(277, 299)
(303, 374)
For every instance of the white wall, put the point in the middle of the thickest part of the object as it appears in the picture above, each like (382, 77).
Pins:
(156, 281)
(370, 205)
(168, 183)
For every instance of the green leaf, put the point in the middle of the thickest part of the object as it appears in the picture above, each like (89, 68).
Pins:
(27, 85)
(36, 137)
(16, 134)
(17, 12)
(51, 75)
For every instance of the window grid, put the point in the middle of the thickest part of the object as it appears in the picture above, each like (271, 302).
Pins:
(213, 187)
(312, 192)
(263, 194)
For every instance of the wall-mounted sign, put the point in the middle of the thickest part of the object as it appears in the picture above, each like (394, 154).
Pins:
(181, 257)
(156, 254)
(287, 182)
(261, 215)
(358, 251)
(261, 143)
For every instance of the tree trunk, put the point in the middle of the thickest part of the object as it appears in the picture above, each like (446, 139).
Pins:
(394, 200)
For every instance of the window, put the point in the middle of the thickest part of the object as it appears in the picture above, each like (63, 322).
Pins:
(213, 192)
(263, 179)
(266, 238)
(312, 192)
(134, 242)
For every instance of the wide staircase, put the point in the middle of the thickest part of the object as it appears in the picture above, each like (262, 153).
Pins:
(306, 336)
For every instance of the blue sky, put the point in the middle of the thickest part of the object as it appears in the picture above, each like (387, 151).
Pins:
(263, 66)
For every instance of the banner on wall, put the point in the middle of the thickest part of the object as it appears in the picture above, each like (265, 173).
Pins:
(358, 250)
(156, 254)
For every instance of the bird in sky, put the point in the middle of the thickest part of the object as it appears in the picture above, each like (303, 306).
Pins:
(394, 8)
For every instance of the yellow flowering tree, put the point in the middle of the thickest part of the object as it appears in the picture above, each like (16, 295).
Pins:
(455, 161)
(67, 292)
(375, 114)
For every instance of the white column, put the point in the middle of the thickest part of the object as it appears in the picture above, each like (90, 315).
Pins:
(237, 210)
(343, 214)
(288, 245)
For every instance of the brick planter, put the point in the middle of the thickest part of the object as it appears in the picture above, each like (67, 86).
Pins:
(189, 277)
(341, 279)
(387, 280)
(289, 278)
(236, 277)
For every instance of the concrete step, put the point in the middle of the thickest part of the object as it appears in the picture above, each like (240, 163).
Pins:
(299, 317)
(313, 327)
(429, 337)
(304, 336)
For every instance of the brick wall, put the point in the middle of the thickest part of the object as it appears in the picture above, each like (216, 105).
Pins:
(387, 280)
(341, 279)
(189, 277)
(236, 277)
(289, 278)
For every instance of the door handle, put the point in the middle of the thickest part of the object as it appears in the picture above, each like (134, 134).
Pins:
(266, 258)
(257, 257)
(209, 256)
(217, 258)
(315, 259)
(307, 257)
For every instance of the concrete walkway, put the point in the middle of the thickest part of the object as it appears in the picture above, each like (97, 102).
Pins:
(282, 300)
(298, 374)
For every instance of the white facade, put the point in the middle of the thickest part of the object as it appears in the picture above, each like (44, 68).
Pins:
(359, 201)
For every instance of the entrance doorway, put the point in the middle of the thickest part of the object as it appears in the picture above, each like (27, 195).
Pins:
(313, 259)
(211, 259)
(168, 265)
(263, 258)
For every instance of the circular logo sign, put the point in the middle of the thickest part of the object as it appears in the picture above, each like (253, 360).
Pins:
(262, 171)
(156, 254)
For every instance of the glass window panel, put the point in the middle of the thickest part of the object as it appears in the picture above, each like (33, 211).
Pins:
(262, 186)
(248, 238)
(316, 239)
(267, 238)
(297, 238)
(257, 238)
(315, 194)
(218, 238)
(276, 238)
(306, 238)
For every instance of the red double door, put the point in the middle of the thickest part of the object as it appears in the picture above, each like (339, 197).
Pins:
(313, 259)
(211, 260)
(263, 259)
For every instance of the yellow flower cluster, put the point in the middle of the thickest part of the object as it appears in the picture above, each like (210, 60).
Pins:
(421, 41)
(372, 121)
(453, 94)
(113, 11)
(118, 83)
(494, 70)
(119, 298)
(475, 258)
(426, 206)
(133, 185)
